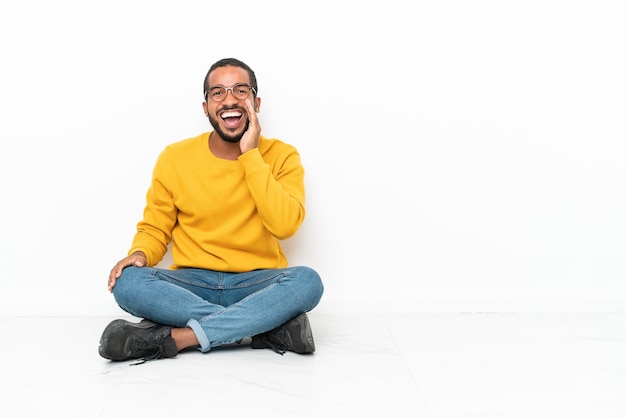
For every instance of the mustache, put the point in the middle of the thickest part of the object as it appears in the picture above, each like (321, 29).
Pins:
(232, 107)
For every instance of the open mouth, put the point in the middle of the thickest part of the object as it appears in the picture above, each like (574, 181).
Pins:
(231, 118)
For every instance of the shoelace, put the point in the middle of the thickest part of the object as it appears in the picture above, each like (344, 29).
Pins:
(278, 348)
(275, 341)
(148, 345)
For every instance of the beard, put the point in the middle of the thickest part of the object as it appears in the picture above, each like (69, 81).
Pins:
(233, 139)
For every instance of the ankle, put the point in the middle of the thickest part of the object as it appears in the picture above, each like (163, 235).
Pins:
(184, 338)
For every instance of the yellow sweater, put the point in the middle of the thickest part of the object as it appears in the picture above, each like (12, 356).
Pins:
(219, 214)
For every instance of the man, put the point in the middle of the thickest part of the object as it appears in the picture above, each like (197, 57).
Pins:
(224, 199)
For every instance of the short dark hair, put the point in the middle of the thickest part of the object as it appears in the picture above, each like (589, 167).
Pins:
(231, 62)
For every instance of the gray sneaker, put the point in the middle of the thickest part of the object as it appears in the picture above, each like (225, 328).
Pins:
(294, 335)
(123, 340)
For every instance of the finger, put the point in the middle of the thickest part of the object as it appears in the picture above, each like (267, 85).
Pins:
(113, 277)
(255, 128)
(117, 270)
(111, 284)
(250, 108)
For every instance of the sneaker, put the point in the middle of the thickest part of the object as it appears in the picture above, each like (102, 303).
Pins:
(123, 340)
(294, 335)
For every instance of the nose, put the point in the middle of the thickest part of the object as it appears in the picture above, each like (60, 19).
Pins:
(230, 96)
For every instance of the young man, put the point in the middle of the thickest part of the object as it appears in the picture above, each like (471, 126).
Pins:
(224, 199)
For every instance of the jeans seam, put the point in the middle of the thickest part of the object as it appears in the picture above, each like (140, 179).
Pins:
(221, 281)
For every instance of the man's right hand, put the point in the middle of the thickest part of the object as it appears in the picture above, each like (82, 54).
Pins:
(137, 259)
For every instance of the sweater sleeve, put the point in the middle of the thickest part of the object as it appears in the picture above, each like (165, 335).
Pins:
(154, 230)
(278, 191)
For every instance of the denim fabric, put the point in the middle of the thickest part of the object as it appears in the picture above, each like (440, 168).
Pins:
(220, 308)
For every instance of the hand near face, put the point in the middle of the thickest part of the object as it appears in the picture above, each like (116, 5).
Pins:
(250, 138)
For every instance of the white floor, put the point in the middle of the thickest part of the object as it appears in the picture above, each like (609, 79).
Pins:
(382, 366)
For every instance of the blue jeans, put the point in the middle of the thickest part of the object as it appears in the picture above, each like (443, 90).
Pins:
(220, 308)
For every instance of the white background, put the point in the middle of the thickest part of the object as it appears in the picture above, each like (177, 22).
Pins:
(460, 156)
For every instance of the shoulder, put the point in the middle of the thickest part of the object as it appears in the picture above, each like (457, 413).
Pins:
(181, 153)
(184, 150)
(187, 145)
(275, 146)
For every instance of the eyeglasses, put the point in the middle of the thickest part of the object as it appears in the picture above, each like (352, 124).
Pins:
(218, 93)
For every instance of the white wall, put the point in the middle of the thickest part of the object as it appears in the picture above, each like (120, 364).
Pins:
(460, 156)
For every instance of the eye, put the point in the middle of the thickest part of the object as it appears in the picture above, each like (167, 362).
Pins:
(241, 90)
(216, 92)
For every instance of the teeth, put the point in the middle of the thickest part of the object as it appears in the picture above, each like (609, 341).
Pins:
(231, 114)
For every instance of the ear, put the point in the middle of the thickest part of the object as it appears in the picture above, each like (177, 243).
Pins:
(257, 104)
(205, 107)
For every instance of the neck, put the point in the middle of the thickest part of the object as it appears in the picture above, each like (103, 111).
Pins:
(223, 149)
